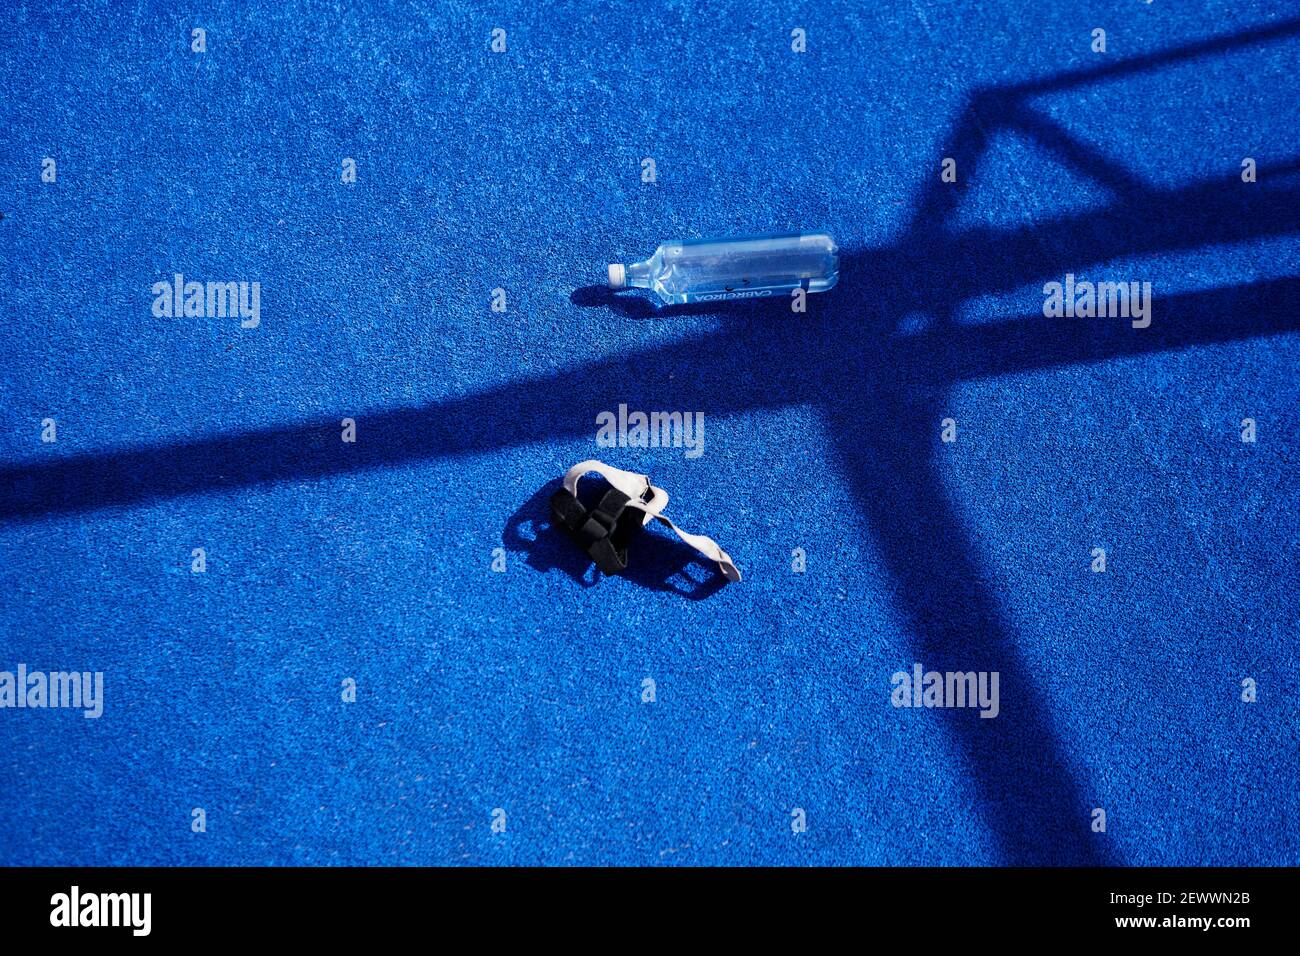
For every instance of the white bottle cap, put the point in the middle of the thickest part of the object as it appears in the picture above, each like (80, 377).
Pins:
(617, 276)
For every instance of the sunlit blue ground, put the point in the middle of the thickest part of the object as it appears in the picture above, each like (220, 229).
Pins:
(522, 691)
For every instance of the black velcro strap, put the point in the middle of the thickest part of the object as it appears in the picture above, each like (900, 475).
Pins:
(603, 532)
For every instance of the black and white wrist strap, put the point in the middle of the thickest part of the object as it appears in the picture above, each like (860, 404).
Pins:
(630, 504)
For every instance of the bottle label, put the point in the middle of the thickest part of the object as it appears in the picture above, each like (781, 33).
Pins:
(743, 294)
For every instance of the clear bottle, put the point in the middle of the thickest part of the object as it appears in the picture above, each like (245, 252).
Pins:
(753, 267)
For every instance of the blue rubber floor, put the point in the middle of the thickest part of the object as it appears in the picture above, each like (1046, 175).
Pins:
(391, 657)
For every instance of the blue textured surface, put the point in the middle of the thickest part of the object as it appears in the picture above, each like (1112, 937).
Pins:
(522, 690)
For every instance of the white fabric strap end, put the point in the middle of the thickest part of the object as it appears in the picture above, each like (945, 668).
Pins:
(707, 547)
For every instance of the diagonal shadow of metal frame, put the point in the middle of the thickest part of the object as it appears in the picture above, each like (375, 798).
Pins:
(879, 388)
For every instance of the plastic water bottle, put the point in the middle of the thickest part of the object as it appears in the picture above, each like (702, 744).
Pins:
(753, 267)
